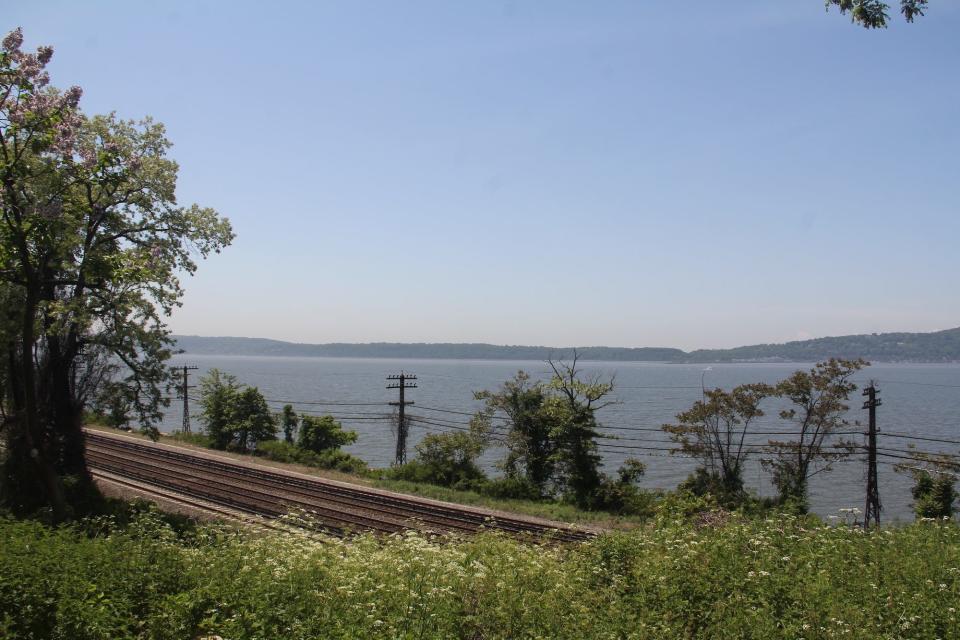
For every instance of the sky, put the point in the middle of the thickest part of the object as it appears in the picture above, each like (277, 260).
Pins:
(696, 174)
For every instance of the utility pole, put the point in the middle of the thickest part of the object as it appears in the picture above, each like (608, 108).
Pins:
(872, 511)
(184, 393)
(401, 384)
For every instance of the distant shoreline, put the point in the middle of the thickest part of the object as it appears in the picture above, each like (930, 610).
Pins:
(941, 347)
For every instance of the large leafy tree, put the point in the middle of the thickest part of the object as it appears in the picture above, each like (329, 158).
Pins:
(92, 247)
(323, 433)
(234, 415)
(529, 427)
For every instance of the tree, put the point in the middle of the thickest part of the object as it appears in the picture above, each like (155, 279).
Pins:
(323, 433)
(872, 14)
(450, 459)
(935, 494)
(528, 442)
(218, 397)
(818, 398)
(934, 483)
(234, 415)
(714, 431)
(573, 409)
(253, 422)
(288, 423)
(113, 404)
(91, 245)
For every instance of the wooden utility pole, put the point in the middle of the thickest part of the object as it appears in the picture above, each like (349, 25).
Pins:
(872, 510)
(401, 384)
(184, 393)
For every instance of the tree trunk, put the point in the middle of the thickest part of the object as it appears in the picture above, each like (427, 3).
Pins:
(35, 442)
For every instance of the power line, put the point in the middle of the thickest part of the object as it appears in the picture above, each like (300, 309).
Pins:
(906, 436)
(923, 384)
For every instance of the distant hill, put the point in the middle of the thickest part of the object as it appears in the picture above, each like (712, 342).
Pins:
(440, 350)
(940, 346)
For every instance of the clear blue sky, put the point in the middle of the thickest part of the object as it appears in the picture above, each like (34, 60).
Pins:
(690, 174)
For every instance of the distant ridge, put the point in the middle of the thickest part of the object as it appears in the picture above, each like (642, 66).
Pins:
(939, 346)
(422, 350)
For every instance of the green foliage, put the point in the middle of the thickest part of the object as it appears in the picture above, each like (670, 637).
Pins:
(937, 346)
(321, 433)
(872, 14)
(218, 392)
(551, 445)
(702, 579)
(253, 421)
(334, 459)
(288, 423)
(529, 444)
(196, 439)
(934, 494)
(572, 408)
(113, 405)
(234, 416)
(622, 495)
(818, 403)
(511, 488)
(93, 246)
(448, 459)
(714, 430)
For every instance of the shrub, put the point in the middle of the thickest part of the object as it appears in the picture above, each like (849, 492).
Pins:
(280, 451)
(516, 488)
(321, 433)
(934, 494)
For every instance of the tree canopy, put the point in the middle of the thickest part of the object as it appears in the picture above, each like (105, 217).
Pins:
(92, 248)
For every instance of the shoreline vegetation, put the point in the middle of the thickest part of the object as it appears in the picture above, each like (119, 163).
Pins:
(935, 347)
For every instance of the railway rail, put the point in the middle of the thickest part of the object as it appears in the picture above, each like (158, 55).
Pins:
(339, 507)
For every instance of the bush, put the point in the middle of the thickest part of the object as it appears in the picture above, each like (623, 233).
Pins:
(280, 451)
(518, 488)
(934, 494)
(446, 460)
(625, 499)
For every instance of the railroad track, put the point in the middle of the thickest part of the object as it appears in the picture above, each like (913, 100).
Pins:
(341, 508)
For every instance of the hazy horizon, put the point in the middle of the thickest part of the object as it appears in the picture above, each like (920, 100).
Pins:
(549, 346)
(621, 175)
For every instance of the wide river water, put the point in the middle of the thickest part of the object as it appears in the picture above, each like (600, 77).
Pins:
(922, 400)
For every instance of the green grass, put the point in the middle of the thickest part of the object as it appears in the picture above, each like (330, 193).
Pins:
(547, 509)
(737, 578)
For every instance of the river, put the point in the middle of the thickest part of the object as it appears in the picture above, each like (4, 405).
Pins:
(918, 399)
